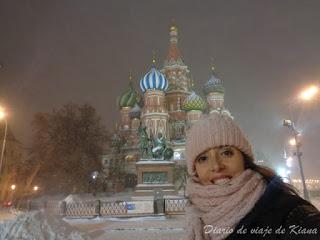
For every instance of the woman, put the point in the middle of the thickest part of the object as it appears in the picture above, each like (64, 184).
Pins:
(230, 197)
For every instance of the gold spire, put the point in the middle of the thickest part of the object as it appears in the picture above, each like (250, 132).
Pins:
(173, 26)
(212, 65)
(154, 58)
(191, 82)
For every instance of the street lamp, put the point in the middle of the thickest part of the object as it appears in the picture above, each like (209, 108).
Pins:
(292, 141)
(309, 93)
(295, 133)
(3, 116)
(289, 162)
(94, 176)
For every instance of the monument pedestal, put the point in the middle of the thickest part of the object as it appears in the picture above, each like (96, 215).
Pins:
(154, 175)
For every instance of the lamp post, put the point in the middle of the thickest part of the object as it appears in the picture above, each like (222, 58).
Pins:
(94, 176)
(295, 133)
(3, 116)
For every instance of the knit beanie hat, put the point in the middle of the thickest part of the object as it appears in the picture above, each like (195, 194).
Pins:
(213, 131)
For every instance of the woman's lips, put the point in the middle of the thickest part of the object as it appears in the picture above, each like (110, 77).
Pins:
(220, 179)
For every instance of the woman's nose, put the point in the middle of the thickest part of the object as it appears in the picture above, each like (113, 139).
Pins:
(215, 164)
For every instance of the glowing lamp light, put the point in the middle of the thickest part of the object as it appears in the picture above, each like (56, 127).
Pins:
(309, 93)
(35, 188)
(292, 142)
(2, 113)
(94, 175)
(282, 172)
(13, 187)
(289, 162)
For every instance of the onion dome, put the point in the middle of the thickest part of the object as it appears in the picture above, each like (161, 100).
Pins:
(214, 84)
(128, 98)
(154, 80)
(135, 112)
(194, 102)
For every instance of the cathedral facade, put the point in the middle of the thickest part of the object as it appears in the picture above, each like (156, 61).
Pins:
(165, 105)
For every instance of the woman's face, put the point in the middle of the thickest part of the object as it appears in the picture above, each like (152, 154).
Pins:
(219, 163)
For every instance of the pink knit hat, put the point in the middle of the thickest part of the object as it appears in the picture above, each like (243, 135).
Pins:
(213, 131)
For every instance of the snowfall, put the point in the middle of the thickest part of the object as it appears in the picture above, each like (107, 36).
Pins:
(39, 225)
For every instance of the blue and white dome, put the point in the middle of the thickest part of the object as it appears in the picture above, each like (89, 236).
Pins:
(154, 80)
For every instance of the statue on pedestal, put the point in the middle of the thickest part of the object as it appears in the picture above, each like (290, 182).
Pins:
(144, 142)
(153, 148)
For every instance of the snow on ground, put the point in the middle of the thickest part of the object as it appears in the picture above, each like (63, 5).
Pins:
(72, 198)
(143, 235)
(143, 228)
(6, 214)
(38, 225)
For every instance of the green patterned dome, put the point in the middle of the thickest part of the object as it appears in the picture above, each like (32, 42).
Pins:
(214, 84)
(128, 98)
(194, 102)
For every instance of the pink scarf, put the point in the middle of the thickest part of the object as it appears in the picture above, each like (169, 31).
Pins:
(221, 207)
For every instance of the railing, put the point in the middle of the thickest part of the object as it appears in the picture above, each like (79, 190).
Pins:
(85, 209)
(175, 206)
(113, 208)
(101, 208)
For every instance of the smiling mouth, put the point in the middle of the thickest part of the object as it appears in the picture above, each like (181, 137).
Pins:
(220, 180)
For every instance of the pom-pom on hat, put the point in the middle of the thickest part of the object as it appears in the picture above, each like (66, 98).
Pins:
(212, 131)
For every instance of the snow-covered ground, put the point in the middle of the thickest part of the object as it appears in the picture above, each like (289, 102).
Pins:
(6, 214)
(155, 227)
(38, 225)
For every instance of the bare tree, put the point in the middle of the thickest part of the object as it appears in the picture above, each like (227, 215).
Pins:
(67, 147)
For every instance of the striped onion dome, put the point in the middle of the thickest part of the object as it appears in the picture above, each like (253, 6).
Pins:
(128, 98)
(214, 84)
(194, 102)
(154, 80)
(135, 112)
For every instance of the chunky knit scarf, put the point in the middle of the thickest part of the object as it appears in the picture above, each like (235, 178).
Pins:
(217, 209)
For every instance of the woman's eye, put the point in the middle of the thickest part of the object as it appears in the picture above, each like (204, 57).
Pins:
(202, 159)
(227, 153)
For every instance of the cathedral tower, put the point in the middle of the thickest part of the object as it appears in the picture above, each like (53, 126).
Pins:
(177, 74)
(125, 103)
(214, 91)
(154, 114)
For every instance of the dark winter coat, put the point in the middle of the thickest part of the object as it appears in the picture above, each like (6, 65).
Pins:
(278, 209)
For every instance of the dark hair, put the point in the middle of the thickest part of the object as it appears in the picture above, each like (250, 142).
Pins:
(268, 174)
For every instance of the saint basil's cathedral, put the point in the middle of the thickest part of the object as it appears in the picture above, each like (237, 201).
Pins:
(166, 106)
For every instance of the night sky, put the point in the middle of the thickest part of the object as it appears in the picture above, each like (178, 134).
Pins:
(54, 52)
